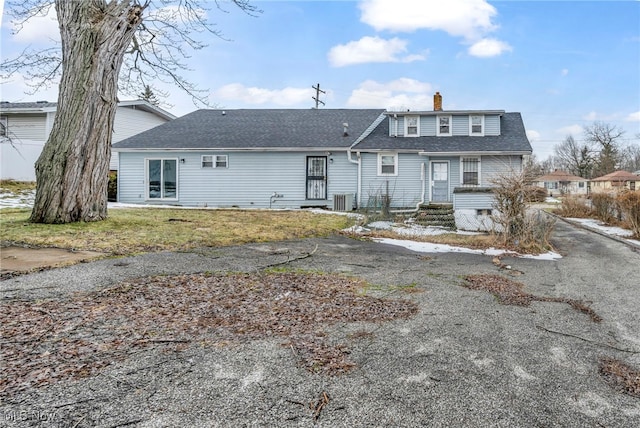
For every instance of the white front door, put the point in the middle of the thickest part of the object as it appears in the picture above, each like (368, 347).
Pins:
(439, 181)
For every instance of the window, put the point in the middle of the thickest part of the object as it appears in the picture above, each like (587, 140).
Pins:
(470, 171)
(207, 161)
(388, 164)
(476, 125)
(551, 185)
(221, 161)
(411, 124)
(214, 161)
(162, 176)
(444, 125)
(3, 126)
(581, 184)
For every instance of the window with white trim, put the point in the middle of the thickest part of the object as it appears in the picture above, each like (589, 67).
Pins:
(444, 126)
(476, 124)
(162, 178)
(470, 171)
(215, 161)
(411, 126)
(387, 164)
(3, 126)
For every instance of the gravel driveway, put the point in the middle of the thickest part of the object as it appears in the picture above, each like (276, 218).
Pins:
(463, 360)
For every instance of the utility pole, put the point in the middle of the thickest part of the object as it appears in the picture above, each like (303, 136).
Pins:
(317, 97)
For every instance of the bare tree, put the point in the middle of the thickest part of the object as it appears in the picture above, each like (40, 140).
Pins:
(96, 38)
(574, 157)
(631, 157)
(606, 138)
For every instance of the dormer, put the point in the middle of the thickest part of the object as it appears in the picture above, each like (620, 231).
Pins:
(444, 123)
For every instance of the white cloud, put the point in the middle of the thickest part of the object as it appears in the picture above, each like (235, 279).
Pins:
(38, 29)
(403, 93)
(533, 135)
(570, 130)
(564, 72)
(471, 20)
(252, 95)
(463, 18)
(371, 49)
(633, 117)
(487, 48)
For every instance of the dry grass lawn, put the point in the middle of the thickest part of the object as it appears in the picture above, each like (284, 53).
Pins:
(136, 230)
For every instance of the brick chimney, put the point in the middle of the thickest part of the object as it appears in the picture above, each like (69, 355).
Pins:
(437, 102)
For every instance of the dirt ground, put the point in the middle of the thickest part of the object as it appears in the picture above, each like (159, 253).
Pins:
(23, 259)
(463, 359)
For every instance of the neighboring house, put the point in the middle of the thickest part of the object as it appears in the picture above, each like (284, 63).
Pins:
(560, 183)
(615, 181)
(25, 127)
(324, 158)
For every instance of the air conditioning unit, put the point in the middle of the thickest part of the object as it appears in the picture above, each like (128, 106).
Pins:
(343, 202)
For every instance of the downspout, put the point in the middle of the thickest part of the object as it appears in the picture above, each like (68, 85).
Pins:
(357, 162)
(423, 177)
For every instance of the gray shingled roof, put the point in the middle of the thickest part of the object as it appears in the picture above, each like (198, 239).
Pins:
(5, 105)
(513, 138)
(256, 128)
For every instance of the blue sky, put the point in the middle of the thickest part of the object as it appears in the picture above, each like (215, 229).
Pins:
(562, 64)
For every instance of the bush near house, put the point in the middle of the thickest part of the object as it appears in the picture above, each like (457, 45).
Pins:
(629, 205)
(604, 206)
(575, 206)
(112, 187)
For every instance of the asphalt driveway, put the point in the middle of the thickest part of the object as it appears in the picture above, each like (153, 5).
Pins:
(463, 360)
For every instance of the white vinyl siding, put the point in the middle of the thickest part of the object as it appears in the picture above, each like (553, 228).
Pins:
(249, 181)
(27, 127)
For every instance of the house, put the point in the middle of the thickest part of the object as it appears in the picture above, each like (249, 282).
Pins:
(25, 127)
(334, 158)
(615, 181)
(560, 183)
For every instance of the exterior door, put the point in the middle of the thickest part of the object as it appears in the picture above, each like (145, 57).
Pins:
(440, 181)
(316, 177)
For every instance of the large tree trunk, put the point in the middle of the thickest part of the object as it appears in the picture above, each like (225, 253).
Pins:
(73, 170)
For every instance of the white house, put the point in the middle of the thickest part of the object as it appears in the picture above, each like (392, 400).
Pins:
(25, 127)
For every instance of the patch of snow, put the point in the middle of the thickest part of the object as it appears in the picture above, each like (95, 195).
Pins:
(598, 225)
(17, 200)
(427, 247)
(552, 200)
(411, 229)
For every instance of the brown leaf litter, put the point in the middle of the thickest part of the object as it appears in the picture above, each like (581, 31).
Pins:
(47, 341)
(509, 292)
(620, 376)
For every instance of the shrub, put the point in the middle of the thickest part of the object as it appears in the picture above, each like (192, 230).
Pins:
(604, 206)
(517, 228)
(535, 194)
(574, 206)
(112, 187)
(629, 205)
